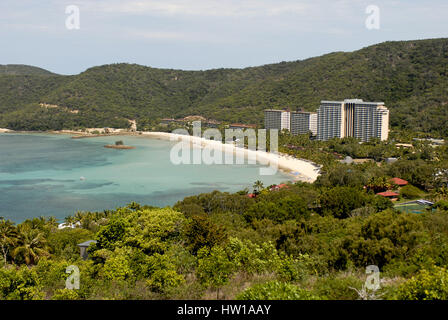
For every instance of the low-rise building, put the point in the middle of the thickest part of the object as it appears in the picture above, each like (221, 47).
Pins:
(399, 182)
(242, 126)
(393, 196)
(83, 248)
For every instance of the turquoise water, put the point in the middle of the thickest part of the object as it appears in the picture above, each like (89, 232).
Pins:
(40, 175)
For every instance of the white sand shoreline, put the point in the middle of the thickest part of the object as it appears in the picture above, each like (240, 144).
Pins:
(299, 169)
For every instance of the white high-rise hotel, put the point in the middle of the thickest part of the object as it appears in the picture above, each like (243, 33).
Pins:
(352, 118)
(335, 119)
(298, 122)
(277, 119)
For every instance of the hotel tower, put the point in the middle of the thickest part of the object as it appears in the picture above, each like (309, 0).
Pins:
(277, 119)
(352, 118)
(303, 122)
(298, 122)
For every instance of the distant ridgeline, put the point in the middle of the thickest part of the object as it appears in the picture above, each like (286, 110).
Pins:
(411, 77)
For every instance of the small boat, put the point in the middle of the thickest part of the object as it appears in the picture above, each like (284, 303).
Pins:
(82, 178)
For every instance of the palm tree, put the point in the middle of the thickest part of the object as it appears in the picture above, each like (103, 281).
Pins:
(440, 194)
(258, 185)
(52, 222)
(69, 221)
(79, 215)
(134, 206)
(8, 237)
(379, 184)
(31, 245)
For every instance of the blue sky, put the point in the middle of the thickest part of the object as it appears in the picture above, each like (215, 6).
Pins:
(203, 34)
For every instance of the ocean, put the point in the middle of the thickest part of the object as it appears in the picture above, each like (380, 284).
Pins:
(54, 175)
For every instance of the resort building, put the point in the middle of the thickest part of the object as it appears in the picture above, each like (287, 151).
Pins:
(391, 195)
(399, 182)
(189, 120)
(303, 122)
(83, 248)
(330, 122)
(277, 119)
(352, 118)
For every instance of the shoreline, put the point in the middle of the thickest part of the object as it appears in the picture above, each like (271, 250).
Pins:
(298, 169)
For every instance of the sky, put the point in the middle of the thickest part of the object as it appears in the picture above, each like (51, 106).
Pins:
(204, 34)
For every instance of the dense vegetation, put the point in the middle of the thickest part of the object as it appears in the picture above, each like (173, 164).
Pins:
(411, 77)
(303, 241)
(20, 69)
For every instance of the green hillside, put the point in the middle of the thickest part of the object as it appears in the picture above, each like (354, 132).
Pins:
(20, 69)
(411, 77)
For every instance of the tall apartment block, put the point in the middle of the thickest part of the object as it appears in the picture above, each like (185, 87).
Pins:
(352, 118)
(298, 122)
(303, 122)
(277, 119)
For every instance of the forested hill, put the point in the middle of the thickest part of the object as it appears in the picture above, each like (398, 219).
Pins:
(411, 77)
(20, 69)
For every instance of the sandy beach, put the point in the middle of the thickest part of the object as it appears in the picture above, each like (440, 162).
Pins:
(299, 169)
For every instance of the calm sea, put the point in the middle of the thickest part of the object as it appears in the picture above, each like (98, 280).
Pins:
(54, 175)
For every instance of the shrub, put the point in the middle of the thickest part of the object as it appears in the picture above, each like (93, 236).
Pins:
(65, 294)
(201, 232)
(442, 205)
(21, 284)
(117, 268)
(214, 267)
(275, 290)
(383, 237)
(162, 280)
(253, 258)
(291, 269)
(426, 285)
(337, 288)
(163, 275)
(341, 201)
(52, 273)
(410, 192)
(288, 208)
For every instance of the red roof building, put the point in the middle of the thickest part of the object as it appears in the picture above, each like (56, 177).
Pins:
(388, 194)
(399, 182)
(280, 186)
(251, 195)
